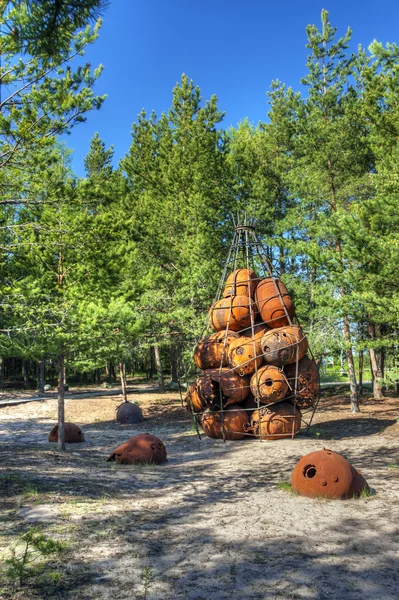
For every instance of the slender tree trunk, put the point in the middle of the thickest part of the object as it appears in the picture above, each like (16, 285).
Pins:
(173, 364)
(377, 391)
(97, 376)
(351, 367)
(152, 364)
(158, 365)
(1, 372)
(25, 373)
(41, 380)
(122, 372)
(361, 372)
(342, 362)
(61, 402)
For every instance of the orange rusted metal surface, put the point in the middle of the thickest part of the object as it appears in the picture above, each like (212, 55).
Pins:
(211, 352)
(271, 304)
(73, 434)
(193, 401)
(141, 448)
(281, 346)
(269, 383)
(327, 474)
(308, 381)
(233, 312)
(243, 356)
(234, 421)
(241, 282)
(234, 388)
(277, 421)
(128, 412)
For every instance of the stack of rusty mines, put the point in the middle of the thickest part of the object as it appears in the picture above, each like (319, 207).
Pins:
(258, 376)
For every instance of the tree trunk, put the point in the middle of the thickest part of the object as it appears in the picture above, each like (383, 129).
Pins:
(342, 362)
(97, 376)
(61, 402)
(351, 367)
(25, 373)
(173, 364)
(1, 372)
(152, 365)
(361, 373)
(41, 380)
(122, 372)
(377, 391)
(158, 365)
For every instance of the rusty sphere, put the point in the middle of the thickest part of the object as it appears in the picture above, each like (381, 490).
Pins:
(212, 351)
(282, 346)
(307, 382)
(243, 356)
(232, 313)
(277, 421)
(141, 448)
(241, 282)
(270, 305)
(234, 422)
(327, 474)
(269, 383)
(233, 387)
(73, 434)
(128, 412)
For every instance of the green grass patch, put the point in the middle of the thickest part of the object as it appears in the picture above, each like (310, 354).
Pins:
(285, 486)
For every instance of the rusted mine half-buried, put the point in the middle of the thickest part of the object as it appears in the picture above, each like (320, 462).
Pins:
(327, 474)
(277, 421)
(307, 382)
(73, 434)
(269, 383)
(281, 346)
(241, 282)
(272, 306)
(212, 352)
(234, 421)
(233, 312)
(141, 448)
(128, 412)
(243, 356)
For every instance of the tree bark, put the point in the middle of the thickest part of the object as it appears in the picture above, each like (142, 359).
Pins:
(377, 391)
(173, 364)
(1, 372)
(41, 380)
(158, 365)
(97, 376)
(61, 402)
(361, 372)
(122, 372)
(25, 373)
(351, 367)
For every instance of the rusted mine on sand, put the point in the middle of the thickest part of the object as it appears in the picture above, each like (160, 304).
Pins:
(327, 474)
(73, 434)
(234, 421)
(141, 448)
(128, 412)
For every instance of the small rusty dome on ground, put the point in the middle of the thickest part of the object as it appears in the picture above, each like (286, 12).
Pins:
(277, 421)
(141, 448)
(128, 413)
(73, 434)
(327, 474)
(233, 421)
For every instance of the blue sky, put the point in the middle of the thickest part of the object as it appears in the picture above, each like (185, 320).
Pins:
(231, 48)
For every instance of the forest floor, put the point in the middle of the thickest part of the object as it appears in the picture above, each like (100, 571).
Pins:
(212, 523)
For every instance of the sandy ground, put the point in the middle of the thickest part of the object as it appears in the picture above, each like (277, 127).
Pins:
(213, 522)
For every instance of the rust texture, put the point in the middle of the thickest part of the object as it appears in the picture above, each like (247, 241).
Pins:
(244, 356)
(129, 413)
(270, 305)
(280, 346)
(277, 421)
(269, 383)
(141, 448)
(73, 434)
(307, 383)
(239, 281)
(209, 352)
(235, 422)
(327, 474)
(193, 401)
(233, 312)
(234, 388)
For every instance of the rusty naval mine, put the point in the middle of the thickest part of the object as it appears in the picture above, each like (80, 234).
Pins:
(141, 448)
(73, 434)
